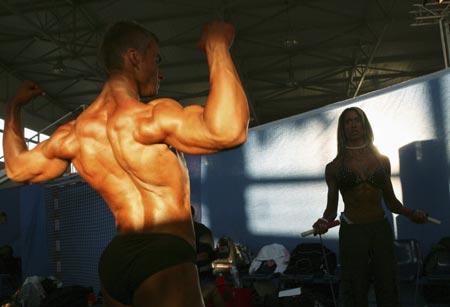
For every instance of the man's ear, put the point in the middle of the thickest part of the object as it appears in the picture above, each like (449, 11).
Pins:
(133, 57)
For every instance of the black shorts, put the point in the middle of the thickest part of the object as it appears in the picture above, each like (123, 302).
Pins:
(131, 258)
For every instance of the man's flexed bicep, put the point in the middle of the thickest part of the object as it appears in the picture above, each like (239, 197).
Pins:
(42, 163)
(22, 165)
(186, 129)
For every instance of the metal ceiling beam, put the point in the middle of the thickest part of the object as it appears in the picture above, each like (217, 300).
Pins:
(435, 13)
(306, 82)
(39, 6)
(369, 61)
(49, 98)
(344, 80)
(12, 9)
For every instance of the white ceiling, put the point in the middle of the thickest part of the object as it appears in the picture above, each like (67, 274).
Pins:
(292, 55)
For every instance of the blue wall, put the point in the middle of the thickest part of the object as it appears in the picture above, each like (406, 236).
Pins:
(272, 188)
(25, 231)
(10, 232)
(79, 226)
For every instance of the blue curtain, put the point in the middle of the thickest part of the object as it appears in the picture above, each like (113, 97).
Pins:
(33, 234)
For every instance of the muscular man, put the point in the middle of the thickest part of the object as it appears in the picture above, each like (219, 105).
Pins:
(128, 151)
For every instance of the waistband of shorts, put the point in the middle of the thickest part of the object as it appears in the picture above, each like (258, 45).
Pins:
(345, 220)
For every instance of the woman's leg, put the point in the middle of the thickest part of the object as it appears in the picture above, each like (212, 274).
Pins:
(384, 266)
(353, 252)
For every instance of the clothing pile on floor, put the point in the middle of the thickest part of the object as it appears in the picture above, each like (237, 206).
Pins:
(38, 291)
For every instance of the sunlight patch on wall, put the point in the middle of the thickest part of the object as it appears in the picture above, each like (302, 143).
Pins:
(296, 148)
(395, 124)
(285, 209)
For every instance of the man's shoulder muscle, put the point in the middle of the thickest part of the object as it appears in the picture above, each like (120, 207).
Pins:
(64, 140)
(160, 116)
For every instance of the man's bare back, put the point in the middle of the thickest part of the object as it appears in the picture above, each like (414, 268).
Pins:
(145, 186)
(128, 151)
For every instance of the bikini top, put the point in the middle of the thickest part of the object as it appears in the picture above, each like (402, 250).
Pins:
(347, 179)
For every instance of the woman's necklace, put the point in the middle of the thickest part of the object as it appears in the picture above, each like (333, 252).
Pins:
(356, 147)
(357, 153)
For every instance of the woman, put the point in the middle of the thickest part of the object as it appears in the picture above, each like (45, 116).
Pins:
(363, 177)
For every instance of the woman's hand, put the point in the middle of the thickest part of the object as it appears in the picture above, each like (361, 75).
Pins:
(418, 216)
(320, 226)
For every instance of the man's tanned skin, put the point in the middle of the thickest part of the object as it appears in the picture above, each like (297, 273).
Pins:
(124, 149)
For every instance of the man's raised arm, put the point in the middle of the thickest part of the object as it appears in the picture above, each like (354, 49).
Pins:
(223, 122)
(21, 164)
(226, 110)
